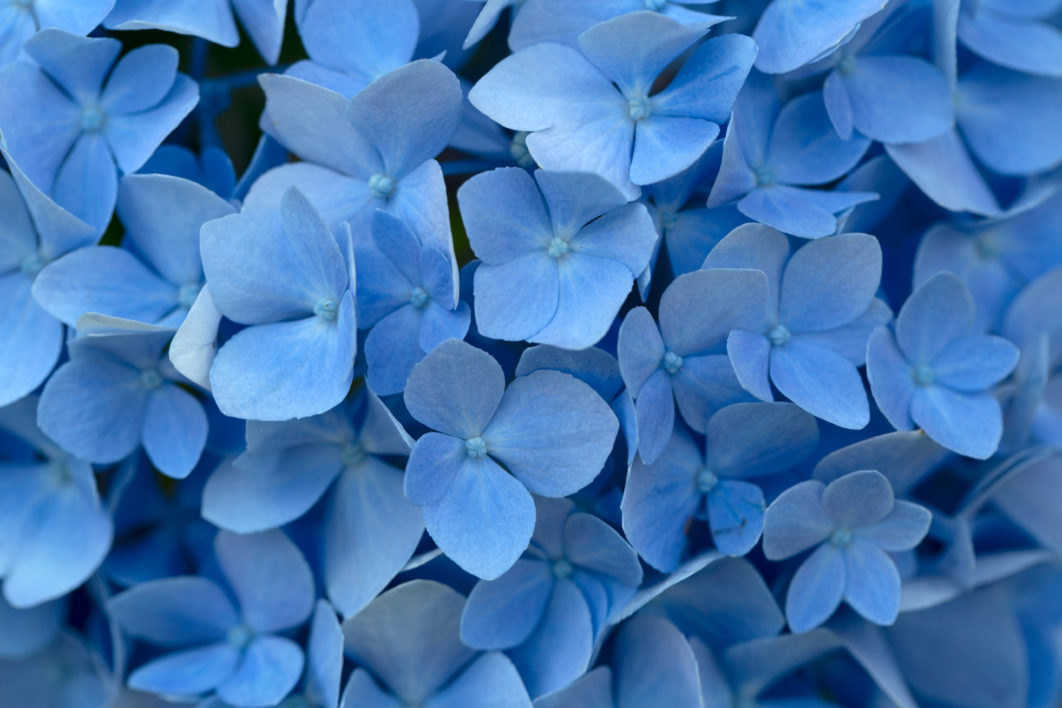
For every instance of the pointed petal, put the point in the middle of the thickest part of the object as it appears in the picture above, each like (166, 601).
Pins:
(816, 589)
(735, 516)
(175, 611)
(872, 585)
(503, 613)
(795, 521)
(821, 382)
(439, 394)
(251, 563)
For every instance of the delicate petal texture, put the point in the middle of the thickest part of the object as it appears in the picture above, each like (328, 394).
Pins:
(269, 668)
(503, 613)
(490, 679)
(858, 499)
(187, 672)
(795, 521)
(816, 589)
(872, 582)
(175, 430)
(901, 530)
(437, 397)
(33, 339)
(821, 382)
(822, 270)
(968, 423)
(735, 515)
(792, 33)
(654, 662)
(175, 611)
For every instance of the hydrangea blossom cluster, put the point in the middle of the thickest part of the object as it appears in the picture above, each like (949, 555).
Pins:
(530, 353)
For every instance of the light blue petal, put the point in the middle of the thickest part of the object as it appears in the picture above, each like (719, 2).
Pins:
(86, 182)
(970, 424)
(251, 563)
(975, 363)
(392, 350)
(484, 520)
(816, 589)
(324, 656)
(872, 586)
(654, 662)
(212, 21)
(655, 411)
(32, 339)
(309, 362)
(738, 300)
(591, 291)
(735, 516)
(575, 198)
(592, 690)
(331, 31)
(903, 529)
(133, 137)
(708, 83)
(858, 499)
(140, 80)
(504, 215)
(755, 247)
(187, 672)
(937, 312)
(18, 237)
(175, 430)
(804, 147)
(175, 611)
(359, 561)
(1032, 47)
(821, 382)
(408, 637)
(752, 439)
(792, 33)
(517, 299)
(552, 432)
(829, 282)
(805, 213)
(944, 170)
(890, 377)
(433, 463)
(440, 324)
(439, 395)
(704, 385)
(77, 64)
(591, 543)
(503, 613)
(664, 146)
(850, 340)
(264, 21)
(269, 668)
(749, 353)
(560, 648)
(659, 500)
(490, 679)
(639, 349)
(194, 344)
(363, 692)
(795, 521)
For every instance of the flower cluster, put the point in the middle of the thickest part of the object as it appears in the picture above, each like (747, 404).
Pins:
(552, 353)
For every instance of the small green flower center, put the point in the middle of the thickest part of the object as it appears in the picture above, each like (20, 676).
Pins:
(639, 107)
(706, 480)
(847, 64)
(558, 247)
(326, 309)
(520, 154)
(562, 568)
(476, 447)
(150, 379)
(668, 220)
(240, 636)
(419, 298)
(187, 294)
(32, 264)
(841, 537)
(778, 335)
(352, 455)
(764, 175)
(671, 362)
(92, 119)
(923, 375)
(381, 186)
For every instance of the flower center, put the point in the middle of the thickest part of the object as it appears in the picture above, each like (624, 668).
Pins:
(150, 379)
(778, 335)
(187, 294)
(847, 64)
(381, 186)
(841, 537)
(419, 298)
(92, 119)
(476, 447)
(352, 455)
(239, 636)
(639, 107)
(326, 309)
(520, 154)
(558, 247)
(562, 568)
(706, 480)
(668, 219)
(32, 264)
(922, 374)
(671, 362)
(59, 472)
(764, 175)
(986, 247)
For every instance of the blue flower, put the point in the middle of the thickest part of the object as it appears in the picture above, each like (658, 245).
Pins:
(217, 646)
(352, 43)
(684, 359)
(408, 651)
(792, 33)
(368, 153)
(744, 440)
(550, 430)
(212, 20)
(54, 531)
(591, 110)
(559, 253)
(552, 605)
(851, 523)
(772, 154)
(36, 231)
(1016, 36)
(156, 276)
(937, 370)
(83, 117)
(21, 20)
(289, 466)
(296, 296)
(820, 312)
(406, 298)
(118, 372)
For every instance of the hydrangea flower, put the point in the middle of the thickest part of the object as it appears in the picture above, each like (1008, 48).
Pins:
(212, 20)
(820, 312)
(549, 609)
(21, 20)
(662, 500)
(84, 118)
(562, 22)
(1017, 36)
(550, 430)
(851, 523)
(351, 43)
(684, 359)
(408, 650)
(772, 154)
(157, 275)
(591, 110)
(36, 231)
(117, 392)
(405, 297)
(296, 298)
(216, 645)
(792, 33)
(289, 466)
(937, 370)
(366, 154)
(559, 253)
(54, 532)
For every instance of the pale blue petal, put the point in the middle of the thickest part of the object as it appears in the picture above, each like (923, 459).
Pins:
(903, 529)
(752, 439)
(1033, 47)
(252, 563)
(86, 183)
(503, 613)
(439, 324)
(133, 137)
(77, 64)
(517, 299)
(750, 355)
(705, 384)
(738, 300)
(850, 340)
(212, 21)
(664, 146)
(735, 516)
(560, 648)
(938, 312)
(455, 389)
(806, 213)
(655, 411)
(333, 31)
(175, 430)
(591, 291)
(33, 339)
(792, 33)
(858, 499)
(188, 672)
(975, 363)
(575, 198)
(755, 247)
(489, 680)
(363, 692)
(654, 663)
(804, 147)
(140, 80)
(264, 21)
(816, 589)
(552, 431)
(795, 521)
(829, 282)
(970, 424)
(269, 668)
(872, 586)
(504, 215)
(392, 350)
(433, 463)
(324, 656)
(890, 377)
(821, 382)
(175, 611)
(708, 83)
(639, 349)
(944, 170)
